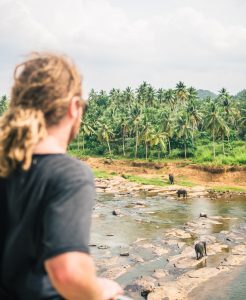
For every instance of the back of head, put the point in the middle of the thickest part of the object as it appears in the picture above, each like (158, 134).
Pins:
(43, 86)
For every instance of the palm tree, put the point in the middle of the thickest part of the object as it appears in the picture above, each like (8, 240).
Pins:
(168, 126)
(150, 95)
(136, 123)
(181, 93)
(194, 117)
(159, 139)
(223, 130)
(212, 121)
(124, 124)
(192, 94)
(169, 97)
(184, 130)
(85, 130)
(104, 134)
(147, 134)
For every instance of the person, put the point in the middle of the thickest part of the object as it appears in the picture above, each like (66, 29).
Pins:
(46, 196)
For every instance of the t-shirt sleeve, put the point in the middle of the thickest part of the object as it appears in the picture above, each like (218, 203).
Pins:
(67, 216)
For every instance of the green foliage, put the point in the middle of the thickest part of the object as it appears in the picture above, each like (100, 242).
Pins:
(235, 154)
(165, 123)
(3, 104)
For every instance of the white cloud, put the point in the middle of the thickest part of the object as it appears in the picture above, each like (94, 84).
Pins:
(114, 47)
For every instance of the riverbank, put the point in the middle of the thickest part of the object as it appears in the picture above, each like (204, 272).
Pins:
(217, 179)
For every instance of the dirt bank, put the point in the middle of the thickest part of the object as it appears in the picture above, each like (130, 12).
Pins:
(208, 177)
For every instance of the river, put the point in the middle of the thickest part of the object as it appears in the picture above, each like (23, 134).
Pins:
(147, 218)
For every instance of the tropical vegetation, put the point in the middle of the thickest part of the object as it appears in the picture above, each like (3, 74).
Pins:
(164, 123)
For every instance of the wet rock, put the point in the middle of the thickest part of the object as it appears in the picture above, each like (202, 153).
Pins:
(159, 251)
(137, 259)
(124, 254)
(116, 212)
(179, 233)
(115, 271)
(203, 215)
(160, 273)
(103, 247)
(146, 284)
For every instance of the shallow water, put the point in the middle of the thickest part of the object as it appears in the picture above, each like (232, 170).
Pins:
(149, 217)
(231, 287)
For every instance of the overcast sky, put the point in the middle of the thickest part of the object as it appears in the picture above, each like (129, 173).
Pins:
(120, 43)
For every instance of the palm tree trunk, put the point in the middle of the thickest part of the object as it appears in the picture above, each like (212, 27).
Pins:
(136, 145)
(169, 146)
(223, 144)
(83, 143)
(109, 149)
(213, 143)
(124, 154)
(146, 150)
(185, 149)
(159, 153)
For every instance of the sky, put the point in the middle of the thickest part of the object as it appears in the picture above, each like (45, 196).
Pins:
(120, 43)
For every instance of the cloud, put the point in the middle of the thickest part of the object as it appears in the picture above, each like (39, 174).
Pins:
(114, 47)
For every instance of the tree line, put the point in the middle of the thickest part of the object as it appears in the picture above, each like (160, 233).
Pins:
(159, 123)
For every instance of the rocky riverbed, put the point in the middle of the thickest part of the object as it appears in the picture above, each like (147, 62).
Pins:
(165, 267)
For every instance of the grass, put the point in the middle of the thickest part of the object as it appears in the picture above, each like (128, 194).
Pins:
(146, 181)
(158, 181)
(228, 189)
(186, 183)
(102, 174)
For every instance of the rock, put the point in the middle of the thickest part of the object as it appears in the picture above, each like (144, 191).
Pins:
(137, 259)
(234, 260)
(124, 254)
(203, 215)
(179, 233)
(160, 273)
(103, 247)
(160, 251)
(239, 250)
(146, 285)
(115, 212)
(115, 271)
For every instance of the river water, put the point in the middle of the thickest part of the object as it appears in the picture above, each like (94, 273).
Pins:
(147, 218)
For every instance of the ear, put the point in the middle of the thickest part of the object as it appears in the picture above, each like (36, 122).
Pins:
(74, 108)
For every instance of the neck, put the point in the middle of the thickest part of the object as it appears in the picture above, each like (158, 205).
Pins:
(56, 141)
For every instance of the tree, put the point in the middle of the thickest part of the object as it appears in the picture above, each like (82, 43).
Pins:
(136, 123)
(168, 126)
(104, 134)
(181, 93)
(3, 104)
(213, 121)
(85, 130)
(184, 130)
(159, 139)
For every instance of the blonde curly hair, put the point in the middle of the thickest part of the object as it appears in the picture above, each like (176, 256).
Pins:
(43, 86)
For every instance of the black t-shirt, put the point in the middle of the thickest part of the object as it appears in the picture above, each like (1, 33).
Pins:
(44, 212)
